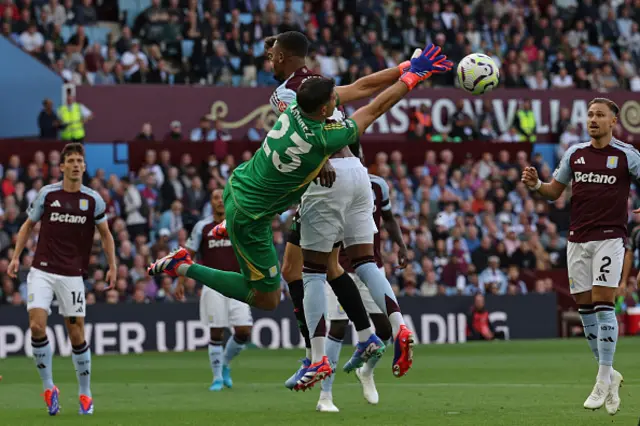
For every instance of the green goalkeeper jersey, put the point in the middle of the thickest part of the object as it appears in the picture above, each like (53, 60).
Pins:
(290, 157)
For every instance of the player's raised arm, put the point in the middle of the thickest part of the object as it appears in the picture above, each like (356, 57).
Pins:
(369, 85)
(422, 67)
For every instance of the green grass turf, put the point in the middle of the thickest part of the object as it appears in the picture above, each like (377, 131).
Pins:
(501, 383)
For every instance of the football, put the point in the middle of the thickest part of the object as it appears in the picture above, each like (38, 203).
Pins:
(478, 74)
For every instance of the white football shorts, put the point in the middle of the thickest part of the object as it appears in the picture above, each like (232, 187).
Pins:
(69, 291)
(343, 212)
(595, 263)
(218, 311)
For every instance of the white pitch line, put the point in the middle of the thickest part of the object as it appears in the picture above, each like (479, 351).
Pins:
(465, 385)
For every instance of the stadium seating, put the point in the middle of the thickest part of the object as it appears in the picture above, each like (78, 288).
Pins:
(399, 37)
(396, 24)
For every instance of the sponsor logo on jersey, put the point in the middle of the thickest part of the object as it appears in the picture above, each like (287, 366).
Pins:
(56, 203)
(595, 177)
(67, 218)
(219, 243)
(84, 204)
(612, 162)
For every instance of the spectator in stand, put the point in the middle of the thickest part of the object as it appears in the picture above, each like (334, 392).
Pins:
(196, 196)
(492, 280)
(220, 133)
(85, 13)
(538, 81)
(562, 80)
(257, 133)
(134, 62)
(463, 125)
(9, 183)
(516, 285)
(136, 209)
(31, 40)
(175, 131)
(172, 220)
(479, 326)
(55, 12)
(171, 190)
(48, 121)
(203, 133)
(9, 10)
(146, 133)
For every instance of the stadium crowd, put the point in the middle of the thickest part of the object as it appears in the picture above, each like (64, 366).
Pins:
(538, 44)
(471, 226)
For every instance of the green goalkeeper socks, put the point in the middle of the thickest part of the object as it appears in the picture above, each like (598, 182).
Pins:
(230, 284)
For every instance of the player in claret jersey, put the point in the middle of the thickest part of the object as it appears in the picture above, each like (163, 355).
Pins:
(275, 178)
(69, 213)
(217, 311)
(340, 212)
(600, 172)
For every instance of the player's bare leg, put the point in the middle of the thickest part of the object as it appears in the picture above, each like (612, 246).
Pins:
(43, 357)
(81, 357)
(608, 381)
(364, 264)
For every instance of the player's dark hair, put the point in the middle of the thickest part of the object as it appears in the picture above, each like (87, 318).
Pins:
(615, 109)
(294, 42)
(269, 42)
(71, 148)
(314, 92)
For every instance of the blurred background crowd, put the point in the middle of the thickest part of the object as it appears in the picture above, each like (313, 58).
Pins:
(470, 226)
(539, 44)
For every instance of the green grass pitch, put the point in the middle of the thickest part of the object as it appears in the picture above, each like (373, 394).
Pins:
(502, 383)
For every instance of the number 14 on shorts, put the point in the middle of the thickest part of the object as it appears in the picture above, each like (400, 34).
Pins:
(77, 298)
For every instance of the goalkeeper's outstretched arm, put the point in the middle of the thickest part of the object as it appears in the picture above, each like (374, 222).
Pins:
(368, 86)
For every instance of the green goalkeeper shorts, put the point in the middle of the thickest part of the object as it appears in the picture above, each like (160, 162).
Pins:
(252, 242)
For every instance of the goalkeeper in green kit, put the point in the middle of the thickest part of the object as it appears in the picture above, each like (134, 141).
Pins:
(279, 173)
